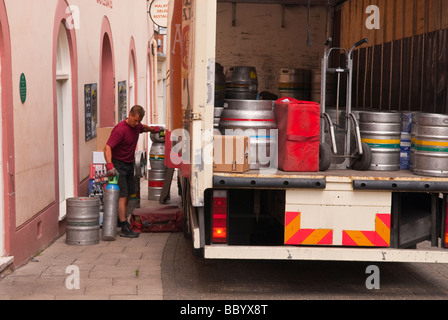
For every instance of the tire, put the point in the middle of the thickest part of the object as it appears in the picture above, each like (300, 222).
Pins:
(325, 156)
(363, 162)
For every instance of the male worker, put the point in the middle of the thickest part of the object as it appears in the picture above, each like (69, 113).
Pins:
(119, 154)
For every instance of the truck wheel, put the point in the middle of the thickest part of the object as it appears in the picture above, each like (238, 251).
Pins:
(363, 162)
(325, 156)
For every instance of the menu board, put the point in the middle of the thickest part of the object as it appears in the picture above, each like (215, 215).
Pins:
(91, 110)
(122, 101)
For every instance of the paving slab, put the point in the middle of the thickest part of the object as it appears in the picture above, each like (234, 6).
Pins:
(124, 269)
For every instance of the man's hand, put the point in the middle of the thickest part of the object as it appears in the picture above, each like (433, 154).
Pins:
(157, 129)
(111, 171)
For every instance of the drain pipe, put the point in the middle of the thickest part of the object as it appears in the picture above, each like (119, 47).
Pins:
(155, 115)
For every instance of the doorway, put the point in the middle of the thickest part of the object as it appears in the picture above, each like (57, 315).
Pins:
(107, 85)
(2, 211)
(132, 82)
(64, 122)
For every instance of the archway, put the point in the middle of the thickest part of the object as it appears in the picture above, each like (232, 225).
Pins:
(7, 155)
(64, 112)
(133, 76)
(107, 78)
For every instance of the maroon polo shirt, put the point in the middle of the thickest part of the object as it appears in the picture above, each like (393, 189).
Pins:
(123, 141)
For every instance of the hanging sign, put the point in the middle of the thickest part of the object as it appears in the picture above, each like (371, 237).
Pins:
(159, 12)
(22, 88)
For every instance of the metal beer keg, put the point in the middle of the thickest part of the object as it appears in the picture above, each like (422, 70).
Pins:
(256, 119)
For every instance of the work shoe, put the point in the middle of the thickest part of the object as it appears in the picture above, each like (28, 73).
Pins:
(127, 232)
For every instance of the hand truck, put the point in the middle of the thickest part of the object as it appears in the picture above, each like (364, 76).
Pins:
(360, 157)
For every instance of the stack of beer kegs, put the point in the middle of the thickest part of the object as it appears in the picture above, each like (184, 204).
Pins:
(405, 146)
(156, 176)
(241, 83)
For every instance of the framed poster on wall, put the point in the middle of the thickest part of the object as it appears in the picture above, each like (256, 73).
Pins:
(122, 101)
(91, 110)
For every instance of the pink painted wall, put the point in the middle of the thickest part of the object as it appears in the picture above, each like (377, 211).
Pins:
(29, 33)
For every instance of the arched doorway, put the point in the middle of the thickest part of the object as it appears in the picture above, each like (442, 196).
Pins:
(2, 211)
(107, 78)
(133, 77)
(7, 155)
(132, 82)
(149, 88)
(64, 111)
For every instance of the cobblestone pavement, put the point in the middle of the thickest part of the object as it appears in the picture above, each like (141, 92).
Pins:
(160, 266)
(124, 269)
(185, 276)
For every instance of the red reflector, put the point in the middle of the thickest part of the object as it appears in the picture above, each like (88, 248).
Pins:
(219, 217)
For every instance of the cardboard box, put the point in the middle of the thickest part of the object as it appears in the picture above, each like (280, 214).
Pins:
(96, 169)
(231, 154)
(102, 135)
(98, 157)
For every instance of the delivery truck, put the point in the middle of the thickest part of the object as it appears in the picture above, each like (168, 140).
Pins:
(317, 175)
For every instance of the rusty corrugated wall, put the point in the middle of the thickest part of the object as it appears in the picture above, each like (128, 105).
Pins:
(405, 65)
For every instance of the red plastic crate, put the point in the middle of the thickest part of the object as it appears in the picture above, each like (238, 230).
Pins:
(298, 124)
(164, 219)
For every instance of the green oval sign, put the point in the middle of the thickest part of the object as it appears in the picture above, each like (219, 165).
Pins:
(22, 88)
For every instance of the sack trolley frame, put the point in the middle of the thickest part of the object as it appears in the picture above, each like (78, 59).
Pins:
(360, 159)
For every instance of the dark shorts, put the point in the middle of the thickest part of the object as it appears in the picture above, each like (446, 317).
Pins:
(126, 180)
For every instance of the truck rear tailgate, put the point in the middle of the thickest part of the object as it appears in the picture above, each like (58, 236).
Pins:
(398, 181)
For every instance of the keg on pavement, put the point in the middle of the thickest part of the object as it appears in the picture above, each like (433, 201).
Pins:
(156, 179)
(110, 216)
(157, 152)
(256, 119)
(295, 83)
(157, 156)
(431, 145)
(382, 132)
(242, 83)
(83, 221)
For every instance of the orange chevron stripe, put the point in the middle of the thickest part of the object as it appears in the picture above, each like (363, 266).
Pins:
(378, 238)
(296, 236)
(316, 237)
(357, 239)
(382, 227)
(292, 228)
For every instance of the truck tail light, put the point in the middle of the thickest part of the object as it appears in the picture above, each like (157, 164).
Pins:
(219, 217)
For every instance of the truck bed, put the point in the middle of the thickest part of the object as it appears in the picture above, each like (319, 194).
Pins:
(399, 181)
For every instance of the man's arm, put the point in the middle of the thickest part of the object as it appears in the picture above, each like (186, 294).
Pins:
(151, 129)
(111, 171)
(107, 153)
